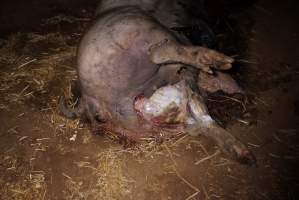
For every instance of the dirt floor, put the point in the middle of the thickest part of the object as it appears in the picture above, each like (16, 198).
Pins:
(45, 156)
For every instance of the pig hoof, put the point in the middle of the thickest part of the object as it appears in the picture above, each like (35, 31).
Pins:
(246, 157)
(213, 59)
(242, 155)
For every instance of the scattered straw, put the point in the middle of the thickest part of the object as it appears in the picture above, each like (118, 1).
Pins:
(236, 100)
(177, 172)
(40, 72)
(23, 138)
(201, 146)
(207, 158)
(26, 63)
(262, 101)
(247, 61)
(243, 121)
(179, 140)
(18, 191)
(192, 196)
(62, 125)
(66, 176)
(254, 145)
(111, 181)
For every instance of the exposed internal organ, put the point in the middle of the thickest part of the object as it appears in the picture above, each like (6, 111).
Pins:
(171, 104)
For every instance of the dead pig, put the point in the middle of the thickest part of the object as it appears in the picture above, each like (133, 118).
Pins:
(137, 79)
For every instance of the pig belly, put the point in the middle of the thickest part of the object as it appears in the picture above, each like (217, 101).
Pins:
(113, 57)
(114, 65)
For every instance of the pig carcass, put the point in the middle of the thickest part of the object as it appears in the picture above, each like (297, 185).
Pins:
(138, 78)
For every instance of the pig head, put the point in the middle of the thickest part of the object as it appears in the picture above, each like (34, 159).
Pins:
(137, 80)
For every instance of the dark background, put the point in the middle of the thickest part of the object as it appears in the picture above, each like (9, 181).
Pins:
(20, 15)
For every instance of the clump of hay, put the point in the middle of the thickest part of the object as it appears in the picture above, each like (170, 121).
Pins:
(11, 48)
(24, 184)
(106, 181)
(66, 127)
(111, 181)
(30, 69)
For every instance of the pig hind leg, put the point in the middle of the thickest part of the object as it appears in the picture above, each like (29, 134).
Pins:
(206, 126)
(168, 52)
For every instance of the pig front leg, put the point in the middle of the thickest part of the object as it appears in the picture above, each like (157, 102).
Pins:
(168, 52)
(205, 125)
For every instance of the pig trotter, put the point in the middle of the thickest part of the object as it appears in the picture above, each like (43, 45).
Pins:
(233, 147)
(206, 126)
(226, 141)
(168, 52)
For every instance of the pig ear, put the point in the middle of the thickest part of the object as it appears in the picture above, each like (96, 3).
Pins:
(168, 52)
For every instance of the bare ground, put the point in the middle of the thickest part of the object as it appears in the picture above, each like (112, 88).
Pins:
(45, 156)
